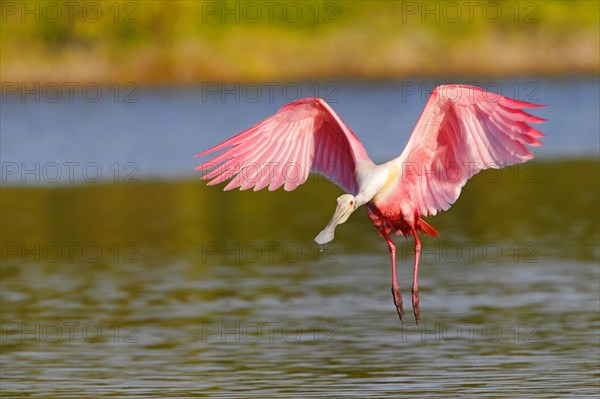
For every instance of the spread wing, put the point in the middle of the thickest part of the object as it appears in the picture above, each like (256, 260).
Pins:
(303, 136)
(462, 130)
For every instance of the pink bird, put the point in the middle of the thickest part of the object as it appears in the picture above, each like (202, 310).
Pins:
(462, 130)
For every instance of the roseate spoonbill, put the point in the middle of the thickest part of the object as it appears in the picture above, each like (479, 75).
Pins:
(462, 130)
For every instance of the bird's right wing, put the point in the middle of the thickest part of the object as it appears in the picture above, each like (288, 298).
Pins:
(303, 136)
(462, 130)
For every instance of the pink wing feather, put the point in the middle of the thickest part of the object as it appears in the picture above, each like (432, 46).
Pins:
(462, 130)
(303, 136)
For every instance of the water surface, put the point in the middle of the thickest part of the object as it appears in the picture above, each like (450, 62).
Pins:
(156, 132)
(167, 288)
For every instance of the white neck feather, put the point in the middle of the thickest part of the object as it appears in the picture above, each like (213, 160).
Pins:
(371, 179)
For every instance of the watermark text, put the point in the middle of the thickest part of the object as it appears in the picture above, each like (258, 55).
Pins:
(265, 331)
(69, 331)
(266, 252)
(70, 92)
(68, 172)
(69, 252)
(455, 332)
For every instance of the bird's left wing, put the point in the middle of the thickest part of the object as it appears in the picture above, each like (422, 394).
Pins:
(303, 136)
(462, 130)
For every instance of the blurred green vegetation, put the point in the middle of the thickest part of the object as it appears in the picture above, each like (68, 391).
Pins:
(179, 42)
(552, 204)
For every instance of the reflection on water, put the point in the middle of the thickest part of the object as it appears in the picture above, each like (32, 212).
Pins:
(174, 289)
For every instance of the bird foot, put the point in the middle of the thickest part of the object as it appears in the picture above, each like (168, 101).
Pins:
(415, 302)
(398, 302)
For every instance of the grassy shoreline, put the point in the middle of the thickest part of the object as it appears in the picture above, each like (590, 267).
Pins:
(186, 42)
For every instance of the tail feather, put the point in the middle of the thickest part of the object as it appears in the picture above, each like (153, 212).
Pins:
(426, 228)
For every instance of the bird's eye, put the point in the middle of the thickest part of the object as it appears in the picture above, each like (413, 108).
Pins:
(351, 202)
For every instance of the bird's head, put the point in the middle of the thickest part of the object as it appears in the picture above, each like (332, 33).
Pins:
(346, 204)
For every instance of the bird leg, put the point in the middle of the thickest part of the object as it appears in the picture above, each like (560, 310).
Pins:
(395, 289)
(415, 285)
